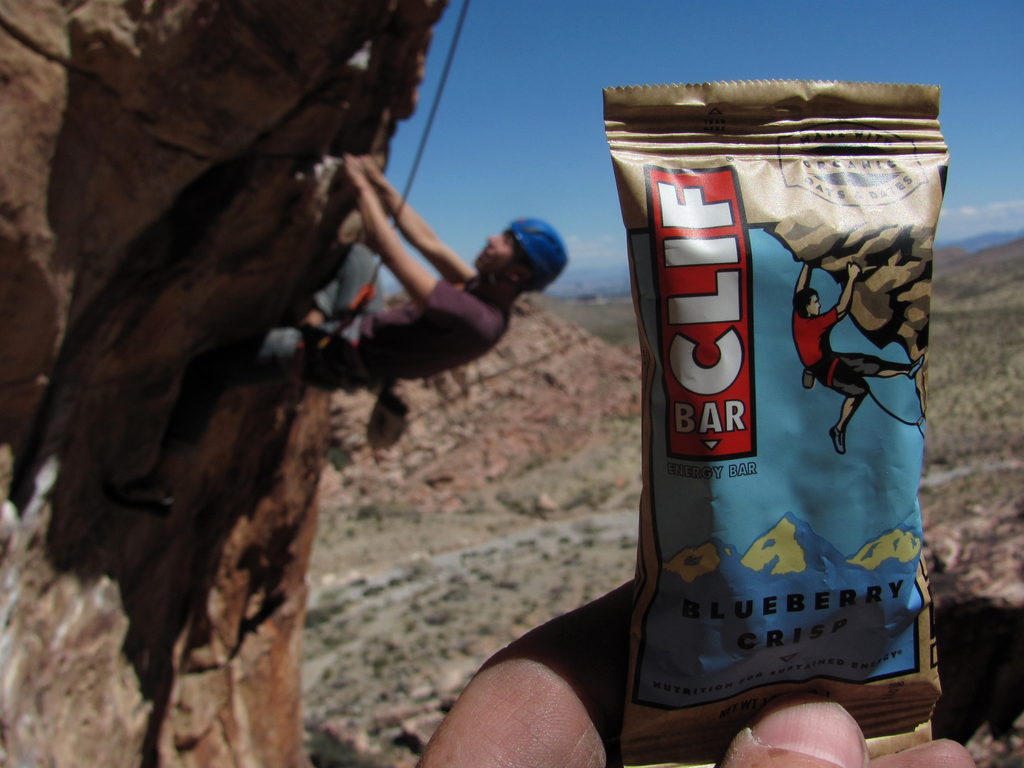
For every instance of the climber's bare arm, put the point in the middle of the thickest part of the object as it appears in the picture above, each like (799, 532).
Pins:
(804, 279)
(416, 230)
(417, 281)
(852, 273)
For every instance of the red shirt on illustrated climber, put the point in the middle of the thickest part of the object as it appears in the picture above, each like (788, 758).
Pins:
(451, 318)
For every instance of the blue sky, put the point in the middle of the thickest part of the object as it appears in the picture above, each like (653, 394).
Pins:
(519, 130)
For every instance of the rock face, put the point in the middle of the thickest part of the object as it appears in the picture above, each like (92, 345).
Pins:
(168, 185)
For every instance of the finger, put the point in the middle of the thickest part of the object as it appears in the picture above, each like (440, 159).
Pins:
(588, 648)
(370, 164)
(516, 714)
(935, 754)
(802, 732)
(552, 698)
(351, 165)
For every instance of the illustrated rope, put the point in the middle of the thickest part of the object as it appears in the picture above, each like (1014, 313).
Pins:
(901, 420)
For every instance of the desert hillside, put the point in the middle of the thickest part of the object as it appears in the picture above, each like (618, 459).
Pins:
(512, 498)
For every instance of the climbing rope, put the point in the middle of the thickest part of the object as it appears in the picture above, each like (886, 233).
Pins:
(433, 108)
(453, 46)
(367, 293)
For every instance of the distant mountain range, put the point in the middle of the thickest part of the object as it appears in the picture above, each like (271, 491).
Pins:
(612, 282)
(592, 283)
(980, 242)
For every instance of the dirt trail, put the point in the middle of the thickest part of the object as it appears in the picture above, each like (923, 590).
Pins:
(385, 653)
(935, 478)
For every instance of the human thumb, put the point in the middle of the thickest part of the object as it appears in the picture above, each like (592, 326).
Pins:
(800, 732)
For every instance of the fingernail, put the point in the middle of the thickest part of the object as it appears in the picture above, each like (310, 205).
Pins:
(819, 729)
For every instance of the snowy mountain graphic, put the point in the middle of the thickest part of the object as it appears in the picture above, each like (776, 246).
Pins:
(792, 547)
(788, 608)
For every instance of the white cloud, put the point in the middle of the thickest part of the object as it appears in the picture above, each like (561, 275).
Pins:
(970, 220)
(597, 252)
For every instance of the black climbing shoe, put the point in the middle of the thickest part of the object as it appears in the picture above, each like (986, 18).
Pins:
(387, 420)
(143, 495)
(838, 439)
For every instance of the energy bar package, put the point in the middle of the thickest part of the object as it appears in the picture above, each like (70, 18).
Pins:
(780, 237)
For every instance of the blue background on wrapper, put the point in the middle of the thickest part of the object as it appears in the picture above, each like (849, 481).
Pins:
(838, 503)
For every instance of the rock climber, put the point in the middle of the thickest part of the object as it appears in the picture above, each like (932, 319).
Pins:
(450, 319)
(843, 372)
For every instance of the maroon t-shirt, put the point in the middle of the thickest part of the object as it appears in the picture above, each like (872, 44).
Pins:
(412, 342)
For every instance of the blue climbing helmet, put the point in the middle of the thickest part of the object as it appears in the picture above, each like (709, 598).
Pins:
(543, 248)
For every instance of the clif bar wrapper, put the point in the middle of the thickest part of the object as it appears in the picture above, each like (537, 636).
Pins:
(780, 238)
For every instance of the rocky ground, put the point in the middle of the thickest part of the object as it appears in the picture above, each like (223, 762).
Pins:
(512, 498)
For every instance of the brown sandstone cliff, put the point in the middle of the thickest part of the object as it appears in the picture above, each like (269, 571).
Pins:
(168, 185)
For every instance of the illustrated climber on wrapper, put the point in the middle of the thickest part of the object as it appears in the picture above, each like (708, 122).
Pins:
(843, 372)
